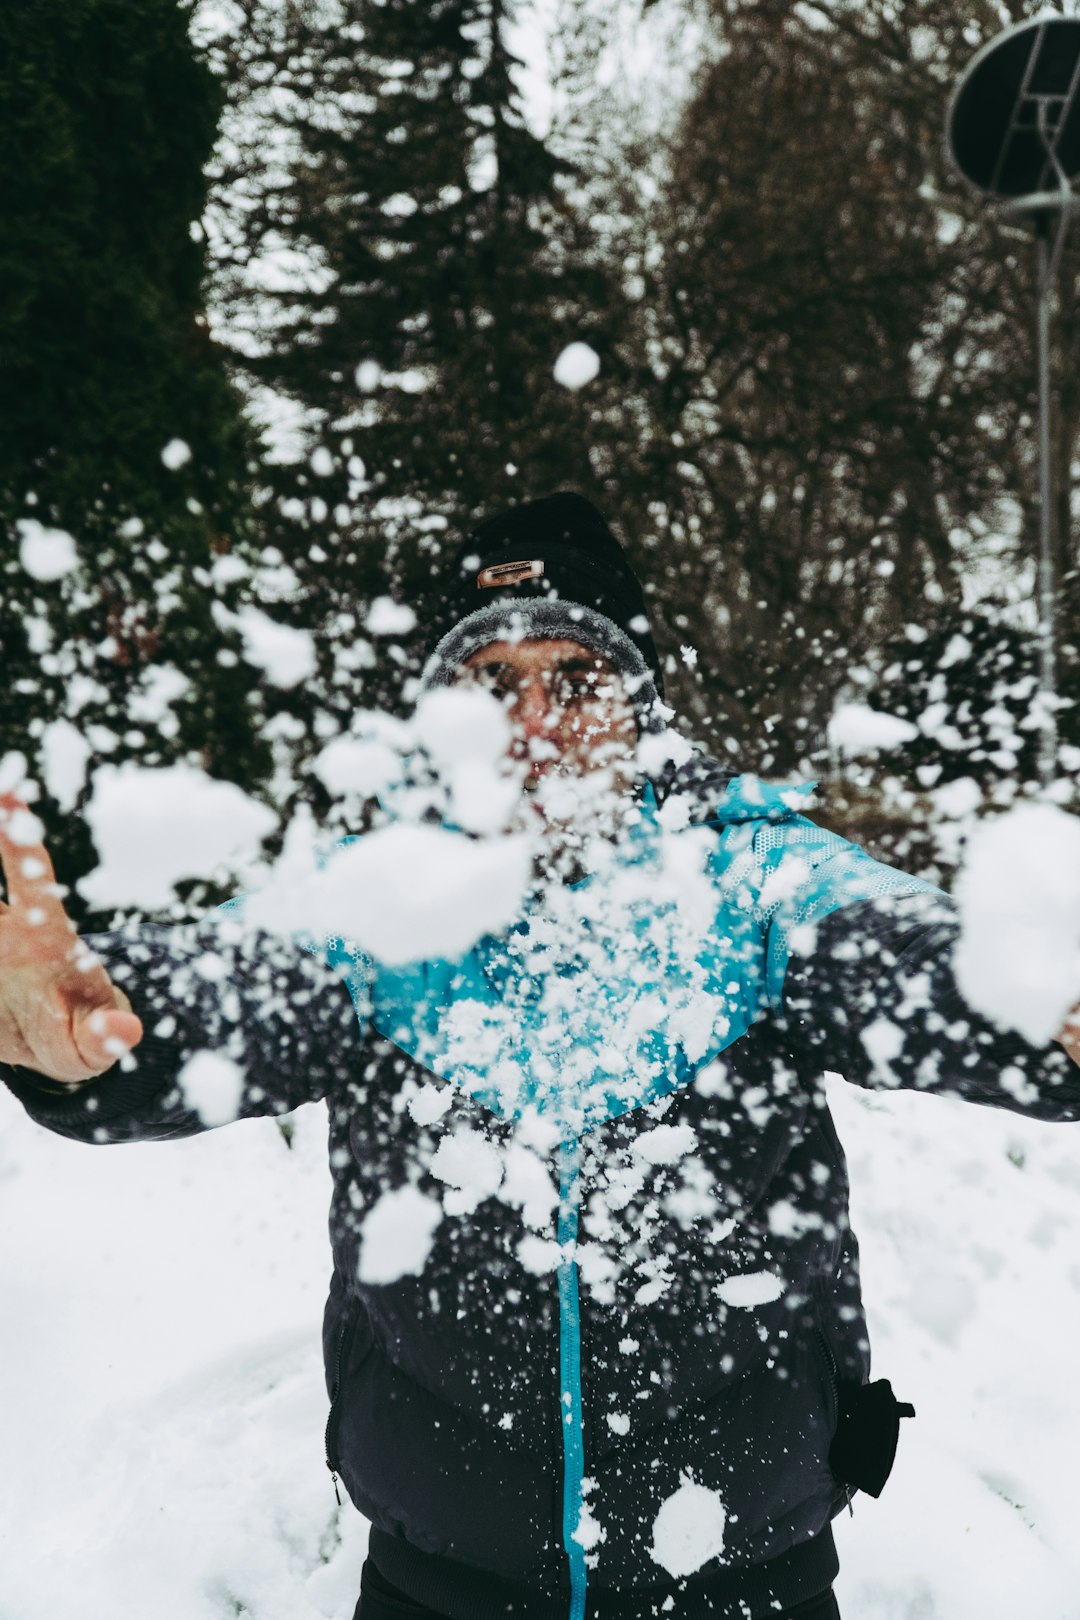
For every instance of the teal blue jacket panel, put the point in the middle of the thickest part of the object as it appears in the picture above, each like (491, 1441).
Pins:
(589, 1027)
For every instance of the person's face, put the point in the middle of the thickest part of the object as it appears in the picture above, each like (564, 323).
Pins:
(568, 710)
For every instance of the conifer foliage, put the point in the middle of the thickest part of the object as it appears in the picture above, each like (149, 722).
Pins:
(118, 427)
(446, 276)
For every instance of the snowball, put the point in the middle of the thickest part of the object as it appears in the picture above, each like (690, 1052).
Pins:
(529, 1185)
(589, 1533)
(22, 827)
(1017, 960)
(884, 1041)
(471, 1166)
(13, 769)
(750, 1289)
(363, 765)
(160, 687)
(577, 365)
(403, 893)
(153, 828)
(688, 1530)
(389, 618)
(213, 1086)
(466, 734)
(430, 1103)
(285, 654)
(46, 554)
(857, 729)
(397, 1234)
(176, 454)
(958, 798)
(665, 1144)
(538, 1255)
(65, 754)
(454, 725)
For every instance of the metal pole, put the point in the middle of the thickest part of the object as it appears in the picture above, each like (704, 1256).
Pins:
(1046, 578)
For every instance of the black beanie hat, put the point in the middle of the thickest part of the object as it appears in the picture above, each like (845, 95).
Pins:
(548, 568)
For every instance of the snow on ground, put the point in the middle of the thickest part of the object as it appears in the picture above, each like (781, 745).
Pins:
(164, 1402)
(163, 1393)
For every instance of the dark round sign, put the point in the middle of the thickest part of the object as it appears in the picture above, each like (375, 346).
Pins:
(1016, 110)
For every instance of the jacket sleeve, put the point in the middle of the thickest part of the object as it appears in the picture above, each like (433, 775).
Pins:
(875, 998)
(286, 1018)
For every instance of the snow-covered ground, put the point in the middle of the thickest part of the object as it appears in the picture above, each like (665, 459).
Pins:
(164, 1402)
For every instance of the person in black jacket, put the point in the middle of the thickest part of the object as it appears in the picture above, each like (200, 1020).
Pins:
(594, 1342)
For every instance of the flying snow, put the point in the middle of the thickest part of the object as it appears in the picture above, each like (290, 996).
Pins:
(857, 729)
(402, 893)
(397, 1235)
(466, 735)
(751, 1288)
(576, 366)
(689, 1529)
(65, 754)
(284, 653)
(176, 454)
(46, 554)
(155, 827)
(470, 1166)
(389, 618)
(213, 1086)
(1018, 957)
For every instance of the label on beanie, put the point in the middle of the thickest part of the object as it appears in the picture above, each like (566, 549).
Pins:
(509, 573)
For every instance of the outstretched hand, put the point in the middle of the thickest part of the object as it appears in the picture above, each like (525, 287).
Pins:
(60, 1013)
(1069, 1035)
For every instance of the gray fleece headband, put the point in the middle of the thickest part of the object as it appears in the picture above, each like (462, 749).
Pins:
(548, 619)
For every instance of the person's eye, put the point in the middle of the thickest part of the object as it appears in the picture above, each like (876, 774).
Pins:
(573, 689)
(493, 680)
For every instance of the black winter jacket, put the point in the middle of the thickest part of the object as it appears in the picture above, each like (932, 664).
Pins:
(587, 1341)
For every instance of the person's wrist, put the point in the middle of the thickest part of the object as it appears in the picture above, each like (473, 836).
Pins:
(48, 1083)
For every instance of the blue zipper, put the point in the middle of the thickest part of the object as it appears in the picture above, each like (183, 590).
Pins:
(570, 1373)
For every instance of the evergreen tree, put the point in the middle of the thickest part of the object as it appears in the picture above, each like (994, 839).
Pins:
(118, 427)
(448, 273)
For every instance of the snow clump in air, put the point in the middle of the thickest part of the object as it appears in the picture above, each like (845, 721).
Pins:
(65, 754)
(285, 654)
(402, 893)
(1017, 960)
(470, 1166)
(13, 773)
(46, 554)
(176, 454)
(361, 766)
(466, 735)
(389, 618)
(857, 729)
(397, 1234)
(154, 827)
(576, 366)
(688, 1531)
(751, 1288)
(213, 1086)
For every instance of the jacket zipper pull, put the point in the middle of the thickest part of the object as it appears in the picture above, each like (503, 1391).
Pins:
(333, 1476)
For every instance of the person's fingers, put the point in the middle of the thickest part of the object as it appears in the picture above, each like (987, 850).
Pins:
(101, 1035)
(1070, 1035)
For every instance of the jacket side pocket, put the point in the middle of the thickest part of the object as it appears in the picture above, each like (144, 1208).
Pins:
(867, 1429)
